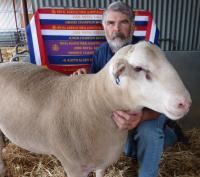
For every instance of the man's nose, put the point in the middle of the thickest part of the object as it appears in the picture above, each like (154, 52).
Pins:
(117, 27)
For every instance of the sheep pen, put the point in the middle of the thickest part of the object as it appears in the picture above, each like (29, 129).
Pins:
(178, 161)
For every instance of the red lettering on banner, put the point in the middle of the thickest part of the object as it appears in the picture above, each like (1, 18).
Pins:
(70, 11)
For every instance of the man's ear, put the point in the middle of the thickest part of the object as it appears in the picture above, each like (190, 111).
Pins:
(119, 67)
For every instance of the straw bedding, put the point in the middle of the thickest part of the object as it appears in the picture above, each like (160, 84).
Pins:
(177, 161)
(9, 52)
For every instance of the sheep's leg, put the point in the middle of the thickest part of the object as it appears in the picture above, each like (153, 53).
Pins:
(100, 172)
(75, 174)
(2, 145)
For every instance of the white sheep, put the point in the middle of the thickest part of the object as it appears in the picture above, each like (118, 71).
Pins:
(70, 117)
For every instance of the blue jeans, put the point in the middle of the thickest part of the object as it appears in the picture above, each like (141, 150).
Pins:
(147, 143)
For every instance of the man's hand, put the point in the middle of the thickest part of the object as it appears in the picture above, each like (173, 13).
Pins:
(80, 71)
(127, 120)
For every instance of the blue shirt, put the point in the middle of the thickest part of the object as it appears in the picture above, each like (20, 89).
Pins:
(103, 54)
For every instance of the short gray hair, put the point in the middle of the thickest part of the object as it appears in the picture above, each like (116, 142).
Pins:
(119, 7)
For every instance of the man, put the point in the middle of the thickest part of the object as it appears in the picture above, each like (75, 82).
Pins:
(146, 142)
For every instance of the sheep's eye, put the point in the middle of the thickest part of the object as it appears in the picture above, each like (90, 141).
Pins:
(148, 77)
(138, 68)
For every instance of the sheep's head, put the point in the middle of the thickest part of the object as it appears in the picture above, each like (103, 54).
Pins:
(147, 79)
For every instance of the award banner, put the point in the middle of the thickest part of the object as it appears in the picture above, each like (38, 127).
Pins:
(65, 39)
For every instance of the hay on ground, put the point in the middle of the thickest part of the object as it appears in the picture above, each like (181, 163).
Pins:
(177, 161)
(9, 52)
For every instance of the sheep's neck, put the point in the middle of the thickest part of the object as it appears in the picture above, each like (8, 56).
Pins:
(105, 93)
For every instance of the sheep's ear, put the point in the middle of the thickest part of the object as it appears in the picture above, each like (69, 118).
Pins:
(119, 68)
(131, 49)
(125, 50)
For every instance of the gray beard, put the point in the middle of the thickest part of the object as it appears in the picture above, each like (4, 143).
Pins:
(117, 43)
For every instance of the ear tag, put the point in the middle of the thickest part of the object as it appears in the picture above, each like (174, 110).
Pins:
(117, 80)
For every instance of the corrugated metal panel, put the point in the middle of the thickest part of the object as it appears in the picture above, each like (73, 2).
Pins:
(7, 21)
(178, 20)
(7, 18)
(8, 31)
(7, 15)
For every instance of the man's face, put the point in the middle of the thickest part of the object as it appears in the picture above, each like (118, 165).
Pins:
(118, 30)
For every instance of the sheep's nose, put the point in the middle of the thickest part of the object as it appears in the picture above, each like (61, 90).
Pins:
(184, 104)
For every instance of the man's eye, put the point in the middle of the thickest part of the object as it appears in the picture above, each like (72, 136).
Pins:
(125, 22)
(110, 23)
